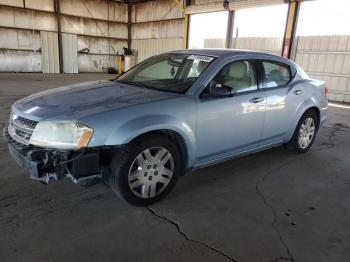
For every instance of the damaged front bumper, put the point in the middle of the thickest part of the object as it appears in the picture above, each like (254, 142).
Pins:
(47, 165)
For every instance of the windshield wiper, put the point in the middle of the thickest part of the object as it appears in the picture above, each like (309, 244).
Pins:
(139, 84)
(132, 83)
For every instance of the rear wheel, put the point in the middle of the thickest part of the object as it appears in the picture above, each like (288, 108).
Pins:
(305, 133)
(146, 170)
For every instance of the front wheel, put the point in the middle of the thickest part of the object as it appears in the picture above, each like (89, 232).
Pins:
(304, 134)
(146, 170)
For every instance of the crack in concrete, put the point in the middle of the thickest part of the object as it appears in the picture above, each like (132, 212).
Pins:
(188, 238)
(275, 218)
(280, 259)
(338, 127)
(331, 138)
(332, 135)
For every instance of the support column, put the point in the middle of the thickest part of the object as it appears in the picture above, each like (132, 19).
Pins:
(229, 34)
(291, 27)
(182, 9)
(186, 26)
(129, 25)
(59, 33)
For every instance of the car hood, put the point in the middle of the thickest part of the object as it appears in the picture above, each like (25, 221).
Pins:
(84, 99)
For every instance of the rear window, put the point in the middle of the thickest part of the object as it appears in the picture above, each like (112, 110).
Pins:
(276, 74)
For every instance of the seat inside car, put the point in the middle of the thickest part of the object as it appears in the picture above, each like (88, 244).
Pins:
(276, 76)
(238, 77)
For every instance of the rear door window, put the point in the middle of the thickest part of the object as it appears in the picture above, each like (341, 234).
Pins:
(275, 74)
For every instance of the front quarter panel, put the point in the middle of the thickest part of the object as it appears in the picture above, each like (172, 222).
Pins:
(121, 126)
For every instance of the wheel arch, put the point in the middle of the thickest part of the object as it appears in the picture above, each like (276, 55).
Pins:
(167, 125)
(308, 105)
(317, 111)
(173, 136)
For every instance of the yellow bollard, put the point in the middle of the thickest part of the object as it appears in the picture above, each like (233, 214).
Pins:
(120, 65)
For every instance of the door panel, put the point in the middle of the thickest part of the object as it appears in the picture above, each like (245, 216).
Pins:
(281, 106)
(282, 101)
(231, 123)
(228, 126)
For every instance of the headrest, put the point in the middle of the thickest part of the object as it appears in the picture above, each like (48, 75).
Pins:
(238, 70)
(275, 75)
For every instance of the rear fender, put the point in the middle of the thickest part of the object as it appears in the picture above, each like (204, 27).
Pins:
(307, 104)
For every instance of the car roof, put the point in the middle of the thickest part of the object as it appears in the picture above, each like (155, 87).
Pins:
(224, 52)
(228, 52)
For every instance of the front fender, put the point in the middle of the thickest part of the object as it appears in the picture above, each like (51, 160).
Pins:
(143, 124)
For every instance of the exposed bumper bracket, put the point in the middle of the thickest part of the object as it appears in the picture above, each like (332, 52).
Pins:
(46, 165)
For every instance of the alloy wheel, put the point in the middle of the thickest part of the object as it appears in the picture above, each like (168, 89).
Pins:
(306, 132)
(151, 172)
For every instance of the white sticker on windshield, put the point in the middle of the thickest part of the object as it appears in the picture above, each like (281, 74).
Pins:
(201, 58)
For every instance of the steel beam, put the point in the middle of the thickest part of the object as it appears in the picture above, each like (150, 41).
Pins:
(59, 33)
(186, 27)
(129, 26)
(180, 6)
(230, 23)
(186, 21)
(291, 27)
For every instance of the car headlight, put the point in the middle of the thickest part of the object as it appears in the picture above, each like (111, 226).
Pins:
(61, 135)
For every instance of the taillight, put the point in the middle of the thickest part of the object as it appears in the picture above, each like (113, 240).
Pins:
(325, 91)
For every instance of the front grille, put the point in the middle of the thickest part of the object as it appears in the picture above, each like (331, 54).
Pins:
(21, 129)
(26, 122)
(20, 133)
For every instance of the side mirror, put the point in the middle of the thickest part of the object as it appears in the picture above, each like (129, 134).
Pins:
(219, 90)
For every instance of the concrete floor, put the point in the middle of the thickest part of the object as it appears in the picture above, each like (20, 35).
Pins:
(270, 206)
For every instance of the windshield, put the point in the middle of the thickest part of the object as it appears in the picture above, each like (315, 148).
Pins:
(169, 72)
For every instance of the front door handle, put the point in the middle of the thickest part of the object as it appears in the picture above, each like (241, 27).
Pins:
(298, 92)
(256, 100)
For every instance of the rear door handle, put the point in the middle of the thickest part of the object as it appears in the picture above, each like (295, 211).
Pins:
(298, 92)
(256, 100)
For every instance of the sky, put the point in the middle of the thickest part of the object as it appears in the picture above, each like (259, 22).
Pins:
(208, 25)
(319, 17)
(324, 17)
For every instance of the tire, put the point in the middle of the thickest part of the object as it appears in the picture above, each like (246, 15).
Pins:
(141, 182)
(302, 144)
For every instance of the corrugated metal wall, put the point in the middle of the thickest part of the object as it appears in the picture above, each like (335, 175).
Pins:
(241, 4)
(148, 47)
(157, 27)
(271, 45)
(327, 58)
(202, 6)
(96, 23)
(205, 7)
(20, 61)
(102, 53)
(70, 53)
(49, 50)
(19, 51)
(20, 36)
(214, 43)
